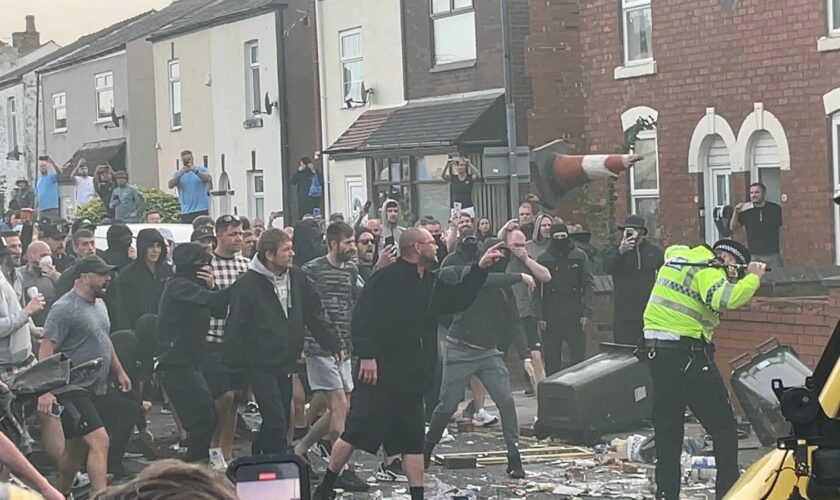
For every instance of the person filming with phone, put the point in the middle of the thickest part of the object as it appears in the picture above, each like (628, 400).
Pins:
(633, 264)
(763, 220)
(193, 181)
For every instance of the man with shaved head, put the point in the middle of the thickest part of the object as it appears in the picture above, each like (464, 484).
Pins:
(41, 274)
(394, 334)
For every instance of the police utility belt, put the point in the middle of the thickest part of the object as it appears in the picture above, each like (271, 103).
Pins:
(693, 349)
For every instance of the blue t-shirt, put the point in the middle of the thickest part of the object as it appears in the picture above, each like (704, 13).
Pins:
(192, 192)
(47, 191)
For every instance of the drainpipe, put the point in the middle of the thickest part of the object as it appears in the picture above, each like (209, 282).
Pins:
(510, 111)
(285, 154)
(322, 76)
(29, 173)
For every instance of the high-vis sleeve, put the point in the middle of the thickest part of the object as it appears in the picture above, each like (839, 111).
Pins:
(720, 295)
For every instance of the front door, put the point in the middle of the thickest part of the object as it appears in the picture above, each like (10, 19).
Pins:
(718, 187)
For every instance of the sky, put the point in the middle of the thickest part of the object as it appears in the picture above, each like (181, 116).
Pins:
(66, 20)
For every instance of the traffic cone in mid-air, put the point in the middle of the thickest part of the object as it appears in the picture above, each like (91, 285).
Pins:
(559, 173)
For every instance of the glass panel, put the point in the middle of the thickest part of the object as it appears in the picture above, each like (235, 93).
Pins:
(648, 208)
(639, 26)
(835, 14)
(396, 169)
(255, 90)
(109, 80)
(105, 103)
(259, 208)
(100, 81)
(439, 6)
(772, 178)
(174, 71)
(176, 97)
(351, 46)
(644, 171)
(429, 168)
(721, 189)
(462, 4)
(406, 169)
(433, 199)
(255, 54)
(455, 38)
(258, 184)
(352, 78)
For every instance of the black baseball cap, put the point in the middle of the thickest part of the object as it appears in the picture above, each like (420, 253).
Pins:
(93, 264)
(55, 231)
(202, 233)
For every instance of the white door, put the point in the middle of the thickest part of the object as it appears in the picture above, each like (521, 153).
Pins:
(766, 165)
(835, 142)
(717, 185)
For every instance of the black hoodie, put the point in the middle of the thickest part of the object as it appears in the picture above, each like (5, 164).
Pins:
(138, 288)
(308, 241)
(119, 238)
(185, 308)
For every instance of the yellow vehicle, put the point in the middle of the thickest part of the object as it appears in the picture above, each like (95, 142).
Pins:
(807, 463)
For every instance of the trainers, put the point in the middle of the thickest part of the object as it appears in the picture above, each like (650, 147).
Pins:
(349, 481)
(469, 411)
(446, 437)
(81, 480)
(217, 460)
(392, 473)
(483, 418)
(323, 449)
(514, 467)
(252, 407)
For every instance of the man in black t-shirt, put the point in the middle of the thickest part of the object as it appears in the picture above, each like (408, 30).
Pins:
(763, 220)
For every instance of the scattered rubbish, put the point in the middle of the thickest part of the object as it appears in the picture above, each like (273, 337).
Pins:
(466, 426)
(538, 454)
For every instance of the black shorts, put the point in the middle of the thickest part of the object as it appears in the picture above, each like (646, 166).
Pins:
(190, 217)
(379, 417)
(532, 333)
(220, 377)
(80, 416)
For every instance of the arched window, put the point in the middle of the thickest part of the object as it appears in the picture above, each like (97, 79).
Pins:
(766, 165)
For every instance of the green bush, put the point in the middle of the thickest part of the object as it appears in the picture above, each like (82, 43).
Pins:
(165, 203)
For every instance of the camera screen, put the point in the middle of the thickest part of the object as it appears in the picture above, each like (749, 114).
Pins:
(270, 481)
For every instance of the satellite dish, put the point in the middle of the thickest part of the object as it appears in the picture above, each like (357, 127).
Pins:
(114, 118)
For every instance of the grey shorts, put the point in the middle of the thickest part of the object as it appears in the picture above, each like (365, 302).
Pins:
(325, 375)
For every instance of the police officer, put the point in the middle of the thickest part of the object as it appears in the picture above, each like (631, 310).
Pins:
(692, 291)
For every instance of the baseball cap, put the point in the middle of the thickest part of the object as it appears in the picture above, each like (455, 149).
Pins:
(202, 233)
(93, 264)
(53, 230)
(120, 174)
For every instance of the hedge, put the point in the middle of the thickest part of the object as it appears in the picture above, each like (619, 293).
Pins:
(165, 203)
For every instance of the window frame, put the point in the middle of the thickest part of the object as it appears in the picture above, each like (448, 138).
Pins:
(646, 194)
(835, 178)
(254, 195)
(628, 6)
(55, 107)
(832, 29)
(11, 123)
(171, 83)
(98, 91)
(253, 105)
(343, 60)
(451, 12)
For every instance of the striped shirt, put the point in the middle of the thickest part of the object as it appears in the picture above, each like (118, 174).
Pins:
(338, 288)
(226, 272)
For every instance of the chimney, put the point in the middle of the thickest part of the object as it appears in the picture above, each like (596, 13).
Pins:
(29, 40)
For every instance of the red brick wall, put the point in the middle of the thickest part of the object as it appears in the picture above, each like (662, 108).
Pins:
(765, 52)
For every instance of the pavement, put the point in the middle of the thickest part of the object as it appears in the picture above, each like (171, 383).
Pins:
(582, 477)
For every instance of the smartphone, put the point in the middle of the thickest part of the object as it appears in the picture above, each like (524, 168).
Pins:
(629, 233)
(26, 213)
(270, 477)
(389, 240)
(456, 207)
(747, 206)
(316, 213)
(367, 206)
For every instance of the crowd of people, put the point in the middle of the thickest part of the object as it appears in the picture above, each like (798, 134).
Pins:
(379, 327)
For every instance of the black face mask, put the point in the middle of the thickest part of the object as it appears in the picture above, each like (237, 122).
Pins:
(563, 246)
(438, 239)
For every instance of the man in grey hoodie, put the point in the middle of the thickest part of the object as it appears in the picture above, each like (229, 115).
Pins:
(126, 200)
(390, 224)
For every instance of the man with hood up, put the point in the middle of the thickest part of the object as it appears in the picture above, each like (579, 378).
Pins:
(188, 301)
(390, 224)
(473, 351)
(119, 238)
(566, 299)
(140, 284)
(308, 241)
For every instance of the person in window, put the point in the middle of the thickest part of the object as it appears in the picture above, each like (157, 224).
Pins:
(46, 189)
(461, 174)
(310, 187)
(103, 183)
(763, 220)
(193, 182)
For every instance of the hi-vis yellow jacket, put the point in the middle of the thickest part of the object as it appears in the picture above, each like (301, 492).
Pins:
(689, 301)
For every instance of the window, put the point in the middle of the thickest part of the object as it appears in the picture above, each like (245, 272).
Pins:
(256, 186)
(104, 95)
(175, 94)
(835, 146)
(637, 24)
(454, 31)
(59, 106)
(644, 182)
(252, 78)
(352, 74)
(11, 123)
(834, 17)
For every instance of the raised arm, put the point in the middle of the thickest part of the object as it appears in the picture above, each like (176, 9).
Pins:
(735, 222)
(447, 171)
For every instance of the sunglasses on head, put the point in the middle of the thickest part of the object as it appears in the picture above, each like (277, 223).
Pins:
(228, 219)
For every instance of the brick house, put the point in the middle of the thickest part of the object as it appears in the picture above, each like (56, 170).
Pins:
(741, 91)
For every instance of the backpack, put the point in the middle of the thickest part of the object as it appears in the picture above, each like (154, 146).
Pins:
(315, 188)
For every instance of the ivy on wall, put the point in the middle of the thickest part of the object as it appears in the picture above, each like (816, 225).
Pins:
(599, 197)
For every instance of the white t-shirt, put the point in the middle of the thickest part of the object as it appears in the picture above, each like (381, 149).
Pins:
(84, 190)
